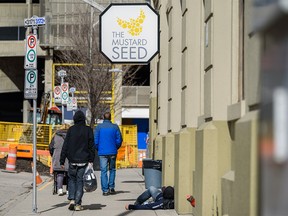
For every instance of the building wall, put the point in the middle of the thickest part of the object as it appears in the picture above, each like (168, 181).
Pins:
(206, 110)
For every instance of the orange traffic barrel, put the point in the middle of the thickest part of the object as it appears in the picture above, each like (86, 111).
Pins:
(11, 159)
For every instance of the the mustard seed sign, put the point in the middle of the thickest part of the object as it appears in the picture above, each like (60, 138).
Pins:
(129, 33)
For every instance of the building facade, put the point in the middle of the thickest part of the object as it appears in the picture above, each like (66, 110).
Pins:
(204, 105)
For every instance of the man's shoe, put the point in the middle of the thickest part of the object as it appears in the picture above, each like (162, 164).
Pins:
(105, 193)
(78, 208)
(71, 205)
(112, 191)
(60, 192)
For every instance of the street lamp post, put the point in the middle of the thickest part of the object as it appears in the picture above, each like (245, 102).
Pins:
(62, 74)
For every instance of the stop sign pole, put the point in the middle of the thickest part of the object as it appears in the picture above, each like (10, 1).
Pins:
(31, 89)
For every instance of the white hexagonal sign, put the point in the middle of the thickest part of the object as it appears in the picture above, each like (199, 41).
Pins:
(129, 33)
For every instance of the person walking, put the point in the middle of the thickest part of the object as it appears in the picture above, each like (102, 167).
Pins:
(78, 147)
(108, 140)
(55, 148)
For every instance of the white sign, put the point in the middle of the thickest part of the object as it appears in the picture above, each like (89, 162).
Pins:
(65, 92)
(34, 21)
(30, 89)
(62, 73)
(57, 94)
(31, 55)
(72, 104)
(129, 33)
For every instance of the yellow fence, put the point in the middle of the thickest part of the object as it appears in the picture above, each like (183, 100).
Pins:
(22, 133)
(128, 152)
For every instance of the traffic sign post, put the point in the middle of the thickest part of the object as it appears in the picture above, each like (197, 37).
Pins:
(31, 87)
(31, 52)
(57, 94)
(64, 89)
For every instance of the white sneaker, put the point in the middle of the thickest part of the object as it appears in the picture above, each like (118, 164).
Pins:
(60, 192)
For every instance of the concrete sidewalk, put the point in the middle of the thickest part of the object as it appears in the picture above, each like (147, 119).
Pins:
(129, 184)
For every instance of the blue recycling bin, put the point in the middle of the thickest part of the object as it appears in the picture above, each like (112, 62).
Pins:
(152, 173)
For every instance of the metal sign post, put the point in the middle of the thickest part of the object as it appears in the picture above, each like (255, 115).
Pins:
(72, 90)
(31, 87)
(62, 74)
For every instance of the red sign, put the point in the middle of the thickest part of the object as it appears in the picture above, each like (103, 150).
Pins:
(64, 87)
(31, 41)
(57, 90)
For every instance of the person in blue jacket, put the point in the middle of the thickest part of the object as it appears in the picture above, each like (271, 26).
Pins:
(162, 199)
(108, 140)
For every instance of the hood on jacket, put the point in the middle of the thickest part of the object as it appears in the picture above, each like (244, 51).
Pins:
(61, 132)
(79, 117)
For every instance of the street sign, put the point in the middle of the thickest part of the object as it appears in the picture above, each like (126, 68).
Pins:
(72, 89)
(74, 103)
(65, 92)
(30, 88)
(31, 55)
(62, 73)
(129, 33)
(34, 21)
(57, 94)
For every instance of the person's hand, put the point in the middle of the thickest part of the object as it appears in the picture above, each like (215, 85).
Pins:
(62, 166)
(127, 206)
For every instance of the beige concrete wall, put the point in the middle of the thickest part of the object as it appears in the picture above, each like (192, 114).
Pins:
(168, 161)
(6, 84)
(184, 167)
(245, 187)
(213, 161)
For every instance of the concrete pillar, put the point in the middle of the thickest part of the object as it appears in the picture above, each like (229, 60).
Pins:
(26, 111)
(168, 160)
(152, 125)
(184, 167)
(158, 143)
(213, 161)
(245, 188)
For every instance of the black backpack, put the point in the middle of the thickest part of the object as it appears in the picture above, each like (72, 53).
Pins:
(168, 203)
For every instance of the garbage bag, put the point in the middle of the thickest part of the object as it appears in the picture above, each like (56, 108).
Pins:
(90, 180)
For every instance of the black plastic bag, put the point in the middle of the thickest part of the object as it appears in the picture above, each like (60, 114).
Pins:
(90, 181)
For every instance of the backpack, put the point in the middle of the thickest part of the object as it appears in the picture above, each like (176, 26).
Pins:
(168, 204)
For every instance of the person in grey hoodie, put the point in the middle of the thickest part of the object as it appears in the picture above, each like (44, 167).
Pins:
(78, 147)
(55, 148)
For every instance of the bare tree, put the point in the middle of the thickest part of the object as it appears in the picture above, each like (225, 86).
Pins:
(93, 77)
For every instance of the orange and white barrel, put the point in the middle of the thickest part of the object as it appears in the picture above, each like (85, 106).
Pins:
(11, 159)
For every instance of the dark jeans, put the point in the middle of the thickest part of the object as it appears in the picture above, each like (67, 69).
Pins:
(75, 182)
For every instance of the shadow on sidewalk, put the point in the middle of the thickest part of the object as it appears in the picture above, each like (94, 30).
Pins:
(94, 206)
(142, 181)
(124, 213)
(54, 207)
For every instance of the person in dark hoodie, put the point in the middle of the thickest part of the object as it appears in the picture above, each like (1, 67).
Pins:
(162, 199)
(78, 147)
(55, 148)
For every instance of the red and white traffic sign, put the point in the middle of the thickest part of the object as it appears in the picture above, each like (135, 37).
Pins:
(57, 94)
(65, 92)
(31, 54)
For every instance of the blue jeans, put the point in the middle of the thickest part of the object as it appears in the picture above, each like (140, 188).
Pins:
(75, 183)
(107, 162)
(150, 192)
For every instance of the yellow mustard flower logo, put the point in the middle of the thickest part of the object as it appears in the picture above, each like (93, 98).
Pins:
(134, 25)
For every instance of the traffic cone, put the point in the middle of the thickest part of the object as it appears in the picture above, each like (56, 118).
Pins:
(38, 178)
(11, 159)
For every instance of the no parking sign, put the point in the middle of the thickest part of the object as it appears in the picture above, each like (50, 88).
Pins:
(57, 94)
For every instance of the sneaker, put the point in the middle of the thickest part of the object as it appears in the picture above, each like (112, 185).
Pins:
(71, 205)
(105, 193)
(112, 191)
(78, 208)
(60, 192)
